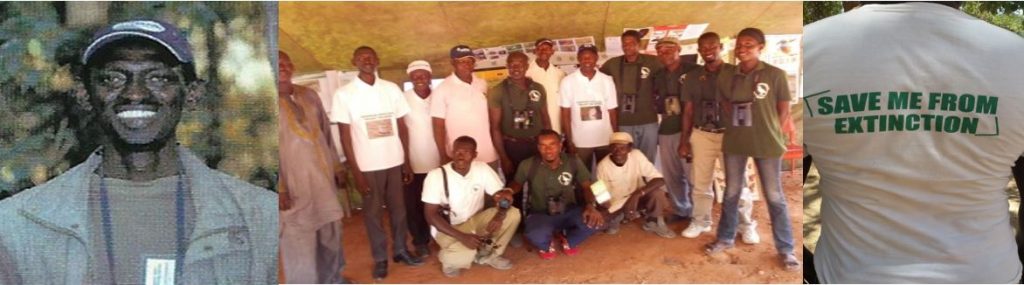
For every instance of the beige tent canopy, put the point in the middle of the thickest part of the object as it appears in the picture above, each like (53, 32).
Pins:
(321, 36)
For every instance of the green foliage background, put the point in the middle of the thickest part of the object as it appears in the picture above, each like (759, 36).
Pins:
(42, 132)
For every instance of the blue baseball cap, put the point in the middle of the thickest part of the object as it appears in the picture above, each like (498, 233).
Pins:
(461, 51)
(163, 33)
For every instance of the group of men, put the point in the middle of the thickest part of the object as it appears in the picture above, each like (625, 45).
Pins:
(607, 115)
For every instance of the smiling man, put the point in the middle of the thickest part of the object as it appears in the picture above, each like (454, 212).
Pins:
(141, 208)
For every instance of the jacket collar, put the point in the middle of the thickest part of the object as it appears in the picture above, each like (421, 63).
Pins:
(63, 203)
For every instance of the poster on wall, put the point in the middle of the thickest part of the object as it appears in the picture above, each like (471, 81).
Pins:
(652, 34)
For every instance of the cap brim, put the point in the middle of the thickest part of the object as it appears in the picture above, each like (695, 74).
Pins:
(112, 37)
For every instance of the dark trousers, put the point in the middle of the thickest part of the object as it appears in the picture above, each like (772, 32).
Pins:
(385, 185)
(540, 226)
(810, 276)
(592, 155)
(418, 227)
(517, 151)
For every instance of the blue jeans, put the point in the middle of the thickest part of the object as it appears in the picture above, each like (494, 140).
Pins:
(645, 138)
(539, 227)
(771, 184)
(676, 172)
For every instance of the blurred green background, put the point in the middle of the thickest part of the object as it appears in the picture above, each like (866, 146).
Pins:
(232, 129)
(1008, 15)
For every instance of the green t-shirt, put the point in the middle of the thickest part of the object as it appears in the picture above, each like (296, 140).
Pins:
(700, 88)
(634, 86)
(143, 226)
(668, 85)
(759, 135)
(521, 112)
(551, 182)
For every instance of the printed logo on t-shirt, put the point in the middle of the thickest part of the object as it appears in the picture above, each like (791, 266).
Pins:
(907, 111)
(672, 106)
(379, 125)
(565, 178)
(644, 72)
(590, 110)
(534, 95)
(682, 78)
(762, 90)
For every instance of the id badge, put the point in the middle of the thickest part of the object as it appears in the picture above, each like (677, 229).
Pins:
(159, 271)
(741, 114)
(629, 103)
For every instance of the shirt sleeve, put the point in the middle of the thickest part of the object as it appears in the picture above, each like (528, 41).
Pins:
(522, 170)
(491, 181)
(438, 102)
(494, 96)
(339, 112)
(611, 99)
(433, 188)
(647, 169)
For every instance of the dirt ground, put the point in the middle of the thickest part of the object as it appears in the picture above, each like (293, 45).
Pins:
(631, 256)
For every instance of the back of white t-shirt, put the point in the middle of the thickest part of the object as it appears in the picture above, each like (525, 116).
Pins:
(914, 118)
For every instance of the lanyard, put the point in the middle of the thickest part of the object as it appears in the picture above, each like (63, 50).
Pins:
(179, 223)
(639, 71)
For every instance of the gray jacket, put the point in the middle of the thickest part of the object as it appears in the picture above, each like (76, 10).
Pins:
(44, 231)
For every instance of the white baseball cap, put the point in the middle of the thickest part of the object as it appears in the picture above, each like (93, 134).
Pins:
(417, 65)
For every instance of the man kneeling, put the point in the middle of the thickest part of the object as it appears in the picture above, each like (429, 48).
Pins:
(632, 181)
(454, 198)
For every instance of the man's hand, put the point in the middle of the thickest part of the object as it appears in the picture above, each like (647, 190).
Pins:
(471, 241)
(361, 184)
(789, 130)
(684, 149)
(504, 194)
(406, 174)
(593, 218)
(495, 224)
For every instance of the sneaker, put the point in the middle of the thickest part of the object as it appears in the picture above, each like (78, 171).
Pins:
(749, 234)
(717, 247)
(789, 262)
(570, 251)
(548, 254)
(613, 225)
(517, 240)
(451, 271)
(694, 230)
(499, 262)
(659, 228)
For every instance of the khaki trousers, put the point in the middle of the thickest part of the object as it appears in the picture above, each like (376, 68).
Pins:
(707, 149)
(456, 255)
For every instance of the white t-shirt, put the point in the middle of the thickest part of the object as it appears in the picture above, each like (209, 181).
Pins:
(372, 114)
(466, 192)
(589, 102)
(623, 180)
(902, 202)
(464, 108)
(422, 148)
(550, 79)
